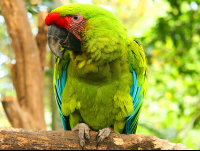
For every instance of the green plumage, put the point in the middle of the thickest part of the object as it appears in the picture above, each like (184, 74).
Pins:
(97, 89)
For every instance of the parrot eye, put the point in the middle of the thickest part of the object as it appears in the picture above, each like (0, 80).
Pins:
(75, 17)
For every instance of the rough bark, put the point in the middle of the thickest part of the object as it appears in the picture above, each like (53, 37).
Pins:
(21, 139)
(27, 73)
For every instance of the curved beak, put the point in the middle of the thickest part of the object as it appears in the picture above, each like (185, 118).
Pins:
(60, 37)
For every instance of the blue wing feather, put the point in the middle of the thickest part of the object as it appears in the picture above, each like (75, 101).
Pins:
(131, 120)
(60, 84)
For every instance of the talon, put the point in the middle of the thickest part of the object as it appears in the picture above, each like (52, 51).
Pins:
(104, 133)
(88, 138)
(99, 141)
(97, 134)
(83, 133)
(82, 144)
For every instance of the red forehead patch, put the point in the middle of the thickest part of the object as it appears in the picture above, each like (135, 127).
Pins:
(55, 18)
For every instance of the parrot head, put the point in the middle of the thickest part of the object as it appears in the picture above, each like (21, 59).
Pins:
(64, 31)
(84, 28)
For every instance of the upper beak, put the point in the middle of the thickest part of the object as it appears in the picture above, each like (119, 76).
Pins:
(60, 37)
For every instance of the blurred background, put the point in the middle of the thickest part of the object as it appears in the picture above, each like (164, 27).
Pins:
(169, 32)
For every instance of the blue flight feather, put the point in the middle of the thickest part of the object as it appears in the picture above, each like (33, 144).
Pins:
(131, 120)
(60, 84)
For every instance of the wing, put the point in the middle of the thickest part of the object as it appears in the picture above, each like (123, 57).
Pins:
(60, 77)
(138, 66)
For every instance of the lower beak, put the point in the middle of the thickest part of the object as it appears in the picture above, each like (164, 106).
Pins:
(60, 37)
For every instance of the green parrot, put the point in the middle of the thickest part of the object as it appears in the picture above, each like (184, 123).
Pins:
(100, 72)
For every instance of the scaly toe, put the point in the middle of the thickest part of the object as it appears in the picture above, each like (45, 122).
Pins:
(83, 131)
(104, 133)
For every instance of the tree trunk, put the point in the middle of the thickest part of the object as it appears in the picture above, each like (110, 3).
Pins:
(27, 73)
(21, 139)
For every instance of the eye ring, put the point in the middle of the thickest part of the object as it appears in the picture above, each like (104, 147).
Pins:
(75, 17)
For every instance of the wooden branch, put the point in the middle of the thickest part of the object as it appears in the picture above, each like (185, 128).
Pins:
(21, 139)
(11, 106)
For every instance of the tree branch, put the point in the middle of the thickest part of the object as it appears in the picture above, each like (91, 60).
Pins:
(21, 139)
(17, 117)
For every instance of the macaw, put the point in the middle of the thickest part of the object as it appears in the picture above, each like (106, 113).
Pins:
(100, 72)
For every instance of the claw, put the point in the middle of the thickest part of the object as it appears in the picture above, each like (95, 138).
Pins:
(88, 138)
(99, 141)
(104, 133)
(82, 144)
(97, 134)
(83, 133)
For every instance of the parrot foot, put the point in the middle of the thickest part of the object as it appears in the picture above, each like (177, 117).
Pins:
(83, 131)
(104, 133)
